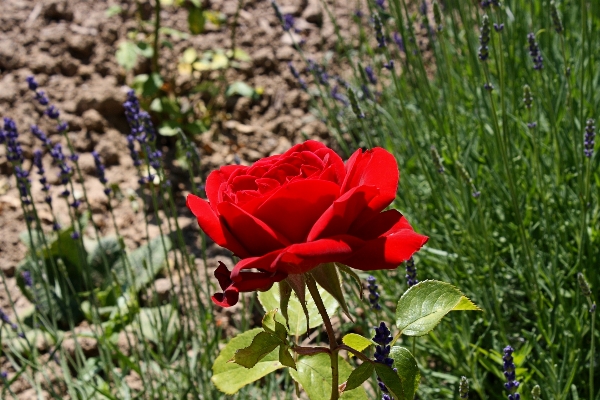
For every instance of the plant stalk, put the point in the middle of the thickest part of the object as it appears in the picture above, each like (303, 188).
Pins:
(314, 292)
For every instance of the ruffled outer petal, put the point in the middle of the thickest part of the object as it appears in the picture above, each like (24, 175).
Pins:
(376, 167)
(212, 226)
(338, 218)
(216, 179)
(387, 252)
(252, 233)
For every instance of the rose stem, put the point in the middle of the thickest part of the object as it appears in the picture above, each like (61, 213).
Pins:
(314, 292)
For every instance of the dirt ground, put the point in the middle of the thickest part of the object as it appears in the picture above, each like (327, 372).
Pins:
(70, 45)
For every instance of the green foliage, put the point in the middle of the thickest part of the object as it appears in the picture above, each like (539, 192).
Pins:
(408, 370)
(424, 305)
(359, 375)
(230, 377)
(357, 342)
(270, 300)
(314, 374)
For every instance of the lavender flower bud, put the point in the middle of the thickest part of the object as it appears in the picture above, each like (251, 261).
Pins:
(558, 26)
(463, 388)
(411, 273)
(38, 133)
(354, 103)
(75, 235)
(389, 65)
(437, 160)
(584, 285)
(383, 338)
(484, 38)
(373, 294)
(399, 42)
(40, 96)
(26, 275)
(498, 27)
(509, 373)
(52, 112)
(380, 4)
(288, 22)
(379, 31)
(534, 52)
(371, 75)
(588, 139)
(3, 375)
(33, 85)
(62, 127)
(336, 95)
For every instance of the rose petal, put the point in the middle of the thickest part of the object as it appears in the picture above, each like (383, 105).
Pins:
(252, 233)
(295, 207)
(216, 179)
(223, 276)
(228, 298)
(380, 225)
(301, 258)
(341, 214)
(333, 162)
(210, 224)
(387, 252)
(376, 167)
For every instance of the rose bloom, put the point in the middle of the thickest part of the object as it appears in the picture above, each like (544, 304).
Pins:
(288, 213)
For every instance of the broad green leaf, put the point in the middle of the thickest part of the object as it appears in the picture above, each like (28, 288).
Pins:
(297, 320)
(327, 276)
(424, 305)
(230, 377)
(274, 327)
(314, 374)
(407, 369)
(261, 345)
(196, 20)
(359, 375)
(239, 88)
(127, 55)
(285, 357)
(391, 381)
(357, 342)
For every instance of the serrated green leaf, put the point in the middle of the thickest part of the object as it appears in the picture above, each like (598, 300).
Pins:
(270, 300)
(359, 375)
(261, 345)
(357, 342)
(424, 305)
(391, 381)
(314, 374)
(231, 377)
(127, 55)
(196, 21)
(285, 357)
(327, 277)
(408, 370)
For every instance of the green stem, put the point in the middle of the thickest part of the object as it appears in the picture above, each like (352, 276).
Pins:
(314, 292)
(592, 354)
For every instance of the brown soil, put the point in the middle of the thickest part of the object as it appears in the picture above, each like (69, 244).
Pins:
(70, 45)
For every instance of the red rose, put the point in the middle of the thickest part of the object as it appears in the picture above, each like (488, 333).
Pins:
(287, 214)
